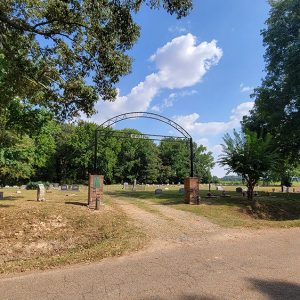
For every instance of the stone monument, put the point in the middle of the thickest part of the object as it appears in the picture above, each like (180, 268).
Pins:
(95, 189)
(41, 192)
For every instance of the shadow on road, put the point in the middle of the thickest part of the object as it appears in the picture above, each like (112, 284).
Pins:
(277, 290)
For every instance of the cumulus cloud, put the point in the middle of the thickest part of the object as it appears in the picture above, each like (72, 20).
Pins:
(180, 63)
(192, 123)
(205, 132)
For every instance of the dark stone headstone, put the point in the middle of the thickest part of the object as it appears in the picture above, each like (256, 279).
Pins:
(1, 196)
(181, 190)
(158, 191)
(239, 190)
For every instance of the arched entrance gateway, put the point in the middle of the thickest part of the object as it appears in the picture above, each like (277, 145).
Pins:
(191, 183)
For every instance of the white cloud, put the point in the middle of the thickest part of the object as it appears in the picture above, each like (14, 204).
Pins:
(169, 101)
(200, 129)
(181, 63)
(205, 132)
(246, 89)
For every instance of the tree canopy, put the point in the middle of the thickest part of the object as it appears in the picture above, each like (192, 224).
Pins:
(65, 54)
(249, 156)
(277, 100)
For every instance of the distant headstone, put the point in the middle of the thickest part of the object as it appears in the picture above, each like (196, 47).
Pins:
(125, 185)
(56, 185)
(64, 187)
(239, 190)
(1, 196)
(285, 189)
(158, 191)
(23, 187)
(219, 188)
(75, 187)
(7, 186)
(181, 190)
(41, 192)
(134, 185)
(273, 190)
(19, 192)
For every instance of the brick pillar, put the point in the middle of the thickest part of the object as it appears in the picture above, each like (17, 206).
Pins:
(95, 189)
(191, 190)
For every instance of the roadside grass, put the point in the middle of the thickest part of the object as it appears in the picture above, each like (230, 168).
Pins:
(61, 231)
(278, 210)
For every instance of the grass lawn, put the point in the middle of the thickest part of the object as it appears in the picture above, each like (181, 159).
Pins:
(280, 210)
(60, 231)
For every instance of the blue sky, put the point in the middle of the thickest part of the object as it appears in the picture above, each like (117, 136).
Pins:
(199, 70)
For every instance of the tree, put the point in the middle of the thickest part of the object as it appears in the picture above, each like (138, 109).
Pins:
(64, 54)
(176, 156)
(204, 162)
(277, 100)
(248, 155)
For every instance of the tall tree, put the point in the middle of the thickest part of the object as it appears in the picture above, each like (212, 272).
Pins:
(64, 54)
(277, 100)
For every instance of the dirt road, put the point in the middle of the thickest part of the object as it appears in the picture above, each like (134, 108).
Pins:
(189, 258)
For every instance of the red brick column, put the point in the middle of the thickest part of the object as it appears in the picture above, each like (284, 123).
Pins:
(191, 190)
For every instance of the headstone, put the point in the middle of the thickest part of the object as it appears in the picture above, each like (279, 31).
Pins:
(56, 185)
(1, 196)
(285, 189)
(64, 187)
(19, 192)
(75, 187)
(125, 185)
(239, 190)
(41, 192)
(219, 188)
(23, 187)
(134, 185)
(273, 190)
(158, 191)
(181, 190)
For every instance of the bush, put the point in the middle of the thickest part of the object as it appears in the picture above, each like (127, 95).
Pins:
(33, 185)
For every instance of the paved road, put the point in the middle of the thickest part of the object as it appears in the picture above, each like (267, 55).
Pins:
(189, 259)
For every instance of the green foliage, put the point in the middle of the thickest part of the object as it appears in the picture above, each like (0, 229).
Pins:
(248, 155)
(32, 185)
(277, 100)
(63, 54)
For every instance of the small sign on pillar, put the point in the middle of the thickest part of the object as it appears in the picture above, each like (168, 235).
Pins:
(191, 190)
(95, 189)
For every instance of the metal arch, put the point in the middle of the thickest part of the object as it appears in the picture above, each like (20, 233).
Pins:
(148, 115)
(133, 115)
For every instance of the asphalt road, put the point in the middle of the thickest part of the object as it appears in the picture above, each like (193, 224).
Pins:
(212, 263)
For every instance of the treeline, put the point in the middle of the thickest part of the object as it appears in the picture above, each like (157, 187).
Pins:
(36, 148)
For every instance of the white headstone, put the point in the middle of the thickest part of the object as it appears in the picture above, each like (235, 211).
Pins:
(41, 193)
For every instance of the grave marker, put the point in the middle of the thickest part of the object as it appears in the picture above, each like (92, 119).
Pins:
(95, 189)
(41, 192)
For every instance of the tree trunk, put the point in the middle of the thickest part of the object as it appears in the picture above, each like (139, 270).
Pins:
(251, 199)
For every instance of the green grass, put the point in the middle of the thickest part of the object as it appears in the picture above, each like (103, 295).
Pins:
(281, 211)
